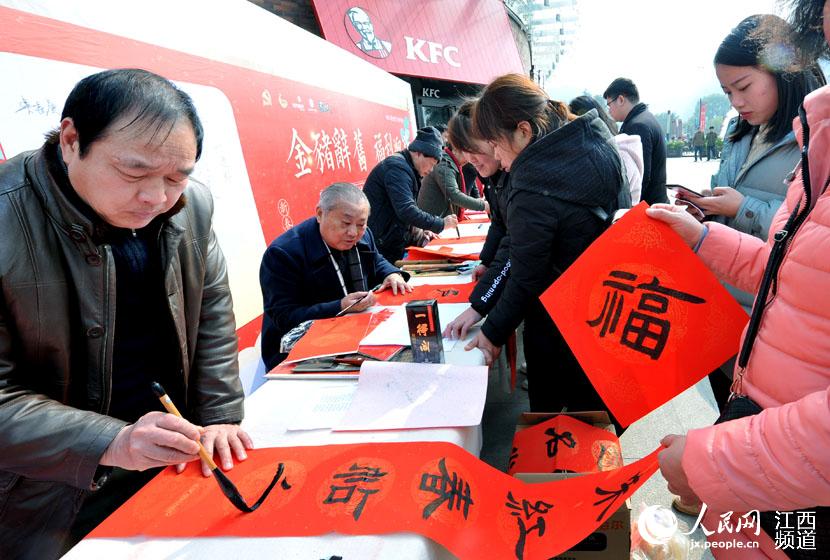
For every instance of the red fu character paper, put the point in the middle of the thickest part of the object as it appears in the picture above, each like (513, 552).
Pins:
(643, 315)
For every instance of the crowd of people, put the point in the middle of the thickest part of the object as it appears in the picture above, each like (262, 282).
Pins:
(112, 277)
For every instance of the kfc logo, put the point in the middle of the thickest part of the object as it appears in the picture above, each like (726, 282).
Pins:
(361, 31)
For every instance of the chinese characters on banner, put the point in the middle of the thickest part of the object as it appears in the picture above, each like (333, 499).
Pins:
(435, 489)
(564, 444)
(643, 315)
(442, 293)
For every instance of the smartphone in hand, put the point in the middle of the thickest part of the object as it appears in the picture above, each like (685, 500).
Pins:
(691, 208)
(684, 191)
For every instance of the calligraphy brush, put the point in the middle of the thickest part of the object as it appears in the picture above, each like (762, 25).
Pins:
(352, 304)
(225, 484)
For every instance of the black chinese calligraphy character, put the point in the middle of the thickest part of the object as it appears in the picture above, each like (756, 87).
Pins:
(451, 490)
(447, 292)
(643, 332)
(524, 512)
(356, 475)
(514, 456)
(553, 443)
(611, 496)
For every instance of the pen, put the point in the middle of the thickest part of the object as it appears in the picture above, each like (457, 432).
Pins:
(458, 231)
(228, 488)
(343, 311)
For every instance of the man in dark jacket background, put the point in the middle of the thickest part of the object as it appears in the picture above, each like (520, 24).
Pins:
(325, 265)
(110, 278)
(624, 106)
(392, 189)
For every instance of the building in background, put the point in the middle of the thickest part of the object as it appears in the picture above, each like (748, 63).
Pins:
(445, 50)
(552, 25)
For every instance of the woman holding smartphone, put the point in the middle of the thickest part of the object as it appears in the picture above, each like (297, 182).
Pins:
(760, 151)
(766, 85)
(770, 450)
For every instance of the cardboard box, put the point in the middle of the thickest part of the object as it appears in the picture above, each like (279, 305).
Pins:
(612, 539)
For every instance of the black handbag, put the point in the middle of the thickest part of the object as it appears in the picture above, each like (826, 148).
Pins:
(741, 406)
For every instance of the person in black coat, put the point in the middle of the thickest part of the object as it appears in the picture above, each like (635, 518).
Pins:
(321, 267)
(480, 155)
(566, 177)
(624, 106)
(392, 189)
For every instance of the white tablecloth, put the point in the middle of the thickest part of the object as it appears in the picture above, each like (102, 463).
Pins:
(268, 413)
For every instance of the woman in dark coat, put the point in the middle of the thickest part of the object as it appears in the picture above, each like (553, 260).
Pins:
(566, 178)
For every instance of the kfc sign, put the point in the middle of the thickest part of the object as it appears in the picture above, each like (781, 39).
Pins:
(435, 52)
(362, 31)
(422, 39)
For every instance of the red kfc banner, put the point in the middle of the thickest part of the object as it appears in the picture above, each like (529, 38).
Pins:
(643, 315)
(436, 489)
(423, 39)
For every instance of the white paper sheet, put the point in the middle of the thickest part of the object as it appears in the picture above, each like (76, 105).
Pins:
(467, 230)
(324, 408)
(395, 330)
(392, 396)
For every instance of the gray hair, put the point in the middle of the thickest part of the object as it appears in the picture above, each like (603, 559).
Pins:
(339, 193)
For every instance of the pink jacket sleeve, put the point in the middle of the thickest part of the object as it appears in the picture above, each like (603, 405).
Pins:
(776, 460)
(734, 257)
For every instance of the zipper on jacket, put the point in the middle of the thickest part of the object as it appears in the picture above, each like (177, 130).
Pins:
(782, 242)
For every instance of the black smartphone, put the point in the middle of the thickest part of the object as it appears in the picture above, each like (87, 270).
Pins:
(691, 208)
(685, 190)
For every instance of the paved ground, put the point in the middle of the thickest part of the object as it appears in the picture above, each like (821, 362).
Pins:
(692, 409)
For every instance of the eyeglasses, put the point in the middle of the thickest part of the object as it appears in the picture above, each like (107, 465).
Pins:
(609, 102)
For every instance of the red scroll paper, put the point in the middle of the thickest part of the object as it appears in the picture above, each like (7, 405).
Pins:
(643, 315)
(435, 489)
(444, 293)
(564, 444)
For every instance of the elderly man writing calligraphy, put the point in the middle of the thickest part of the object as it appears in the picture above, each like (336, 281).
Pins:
(325, 265)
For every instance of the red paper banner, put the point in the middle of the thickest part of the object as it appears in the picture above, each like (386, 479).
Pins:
(564, 444)
(454, 240)
(335, 336)
(475, 216)
(433, 488)
(643, 315)
(444, 293)
(443, 251)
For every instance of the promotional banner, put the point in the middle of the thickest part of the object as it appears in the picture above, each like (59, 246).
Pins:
(643, 315)
(278, 129)
(435, 489)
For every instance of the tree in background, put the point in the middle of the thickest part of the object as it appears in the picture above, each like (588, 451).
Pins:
(717, 105)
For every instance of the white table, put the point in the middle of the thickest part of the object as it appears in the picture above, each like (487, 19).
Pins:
(268, 413)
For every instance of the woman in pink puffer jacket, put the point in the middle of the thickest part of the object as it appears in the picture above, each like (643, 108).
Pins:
(778, 459)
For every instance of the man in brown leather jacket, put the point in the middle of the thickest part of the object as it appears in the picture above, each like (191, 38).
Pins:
(110, 278)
